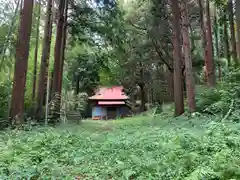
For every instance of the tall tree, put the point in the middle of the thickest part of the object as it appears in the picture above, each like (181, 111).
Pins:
(238, 25)
(209, 62)
(178, 77)
(22, 53)
(232, 30)
(207, 44)
(216, 35)
(36, 51)
(202, 23)
(203, 33)
(64, 38)
(226, 38)
(43, 75)
(188, 59)
(57, 60)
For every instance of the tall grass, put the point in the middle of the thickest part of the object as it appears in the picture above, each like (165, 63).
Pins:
(141, 147)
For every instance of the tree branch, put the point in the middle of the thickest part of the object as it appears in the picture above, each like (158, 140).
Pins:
(161, 56)
(138, 27)
(155, 46)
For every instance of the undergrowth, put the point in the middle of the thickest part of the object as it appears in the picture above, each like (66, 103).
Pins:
(136, 148)
(223, 99)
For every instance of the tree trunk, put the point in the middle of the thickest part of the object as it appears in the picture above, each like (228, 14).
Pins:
(226, 39)
(216, 31)
(64, 38)
(204, 39)
(51, 87)
(178, 78)
(209, 62)
(170, 85)
(141, 84)
(57, 60)
(190, 85)
(43, 76)
(22, 53)
(36, 54)
(142, 97)
(205, 22)
(77, 85)
(238, 26)
(233, 37)
(193, 46)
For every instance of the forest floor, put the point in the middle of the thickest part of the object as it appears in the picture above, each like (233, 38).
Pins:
(141, 147)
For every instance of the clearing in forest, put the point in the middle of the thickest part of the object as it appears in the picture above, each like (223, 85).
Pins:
(135, 148)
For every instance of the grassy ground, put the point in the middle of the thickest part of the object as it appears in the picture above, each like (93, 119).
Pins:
(142, 147)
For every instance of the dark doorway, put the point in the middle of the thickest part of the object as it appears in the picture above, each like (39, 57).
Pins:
(111, 112)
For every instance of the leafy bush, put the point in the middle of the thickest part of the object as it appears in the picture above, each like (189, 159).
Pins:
(218, 100)
(74, 104)
(4, 99)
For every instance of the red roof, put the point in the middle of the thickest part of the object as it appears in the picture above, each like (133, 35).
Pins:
(111, 102)
(109, 93)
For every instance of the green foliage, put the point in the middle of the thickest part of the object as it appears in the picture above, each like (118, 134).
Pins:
(5, 90)
(95, 32)
(74, 102)
(134, 148)
(3, 33)
(84, 69)
(218, 100)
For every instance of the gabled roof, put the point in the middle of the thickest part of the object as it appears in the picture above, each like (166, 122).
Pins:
(109, 93)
